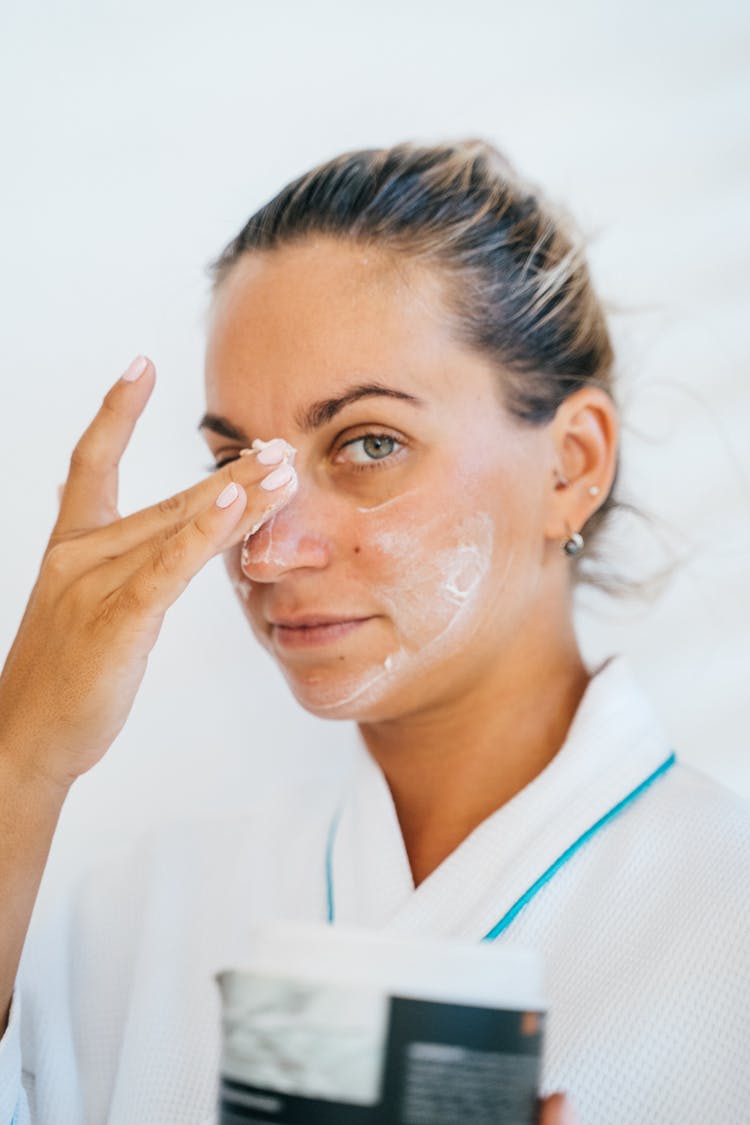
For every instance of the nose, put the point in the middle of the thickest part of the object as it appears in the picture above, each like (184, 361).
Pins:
(288, 541)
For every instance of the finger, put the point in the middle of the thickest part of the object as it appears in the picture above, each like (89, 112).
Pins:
(260, 507)
(89, 497)
(160, 581)
(168, 516)
(558, 1110)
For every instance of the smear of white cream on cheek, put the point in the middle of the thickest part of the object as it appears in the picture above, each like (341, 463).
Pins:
(242, 587)
(429, 588)
(430, 600)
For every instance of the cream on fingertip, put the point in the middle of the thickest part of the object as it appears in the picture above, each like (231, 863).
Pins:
(273, 452)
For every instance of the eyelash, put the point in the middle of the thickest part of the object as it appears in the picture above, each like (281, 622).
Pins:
(375, 463)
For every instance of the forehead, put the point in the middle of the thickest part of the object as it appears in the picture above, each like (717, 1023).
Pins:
(305, 319)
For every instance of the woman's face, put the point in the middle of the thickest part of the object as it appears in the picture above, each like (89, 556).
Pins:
(420, 510)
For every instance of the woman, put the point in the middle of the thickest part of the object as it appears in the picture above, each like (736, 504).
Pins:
(410, 404)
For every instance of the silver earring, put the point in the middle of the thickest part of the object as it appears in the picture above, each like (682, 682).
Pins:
(594, 490)
(573, 545)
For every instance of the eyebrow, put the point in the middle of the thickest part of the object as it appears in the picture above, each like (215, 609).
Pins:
(315, 415)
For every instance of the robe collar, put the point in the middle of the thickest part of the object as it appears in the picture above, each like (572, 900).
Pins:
(614, 743)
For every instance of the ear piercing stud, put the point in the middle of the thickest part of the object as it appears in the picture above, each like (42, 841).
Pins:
(573, 545)
(563, 482)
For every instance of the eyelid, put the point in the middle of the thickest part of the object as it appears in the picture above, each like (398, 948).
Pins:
(374, 462)
(223, 457)
(372, 431)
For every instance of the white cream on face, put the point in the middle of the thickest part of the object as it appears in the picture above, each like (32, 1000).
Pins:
(430, 583)
(242, 587)
(248, 558)
(431, 597)
(257, 446)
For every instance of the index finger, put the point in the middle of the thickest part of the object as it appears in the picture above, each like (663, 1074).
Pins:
(89, 495)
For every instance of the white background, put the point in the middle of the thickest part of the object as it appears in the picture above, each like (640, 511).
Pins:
(139, 137)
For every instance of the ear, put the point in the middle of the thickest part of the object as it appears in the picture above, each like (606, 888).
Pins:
(585, 435)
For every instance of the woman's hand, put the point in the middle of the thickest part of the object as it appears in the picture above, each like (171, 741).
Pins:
(103, 588)
(557, 1110)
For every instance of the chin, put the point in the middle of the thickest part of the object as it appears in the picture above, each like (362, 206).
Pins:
(334, 693)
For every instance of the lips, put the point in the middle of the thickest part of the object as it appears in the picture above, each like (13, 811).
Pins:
(312, 620)
(310, 630)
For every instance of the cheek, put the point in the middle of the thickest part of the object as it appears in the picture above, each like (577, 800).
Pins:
(430, 574)
(438, 559)
(426, 573)
(240, 584)
(448, 571)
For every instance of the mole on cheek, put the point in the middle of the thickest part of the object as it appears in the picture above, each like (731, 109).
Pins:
(357, 550)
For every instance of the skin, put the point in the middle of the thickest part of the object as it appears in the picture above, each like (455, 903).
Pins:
(451, 543)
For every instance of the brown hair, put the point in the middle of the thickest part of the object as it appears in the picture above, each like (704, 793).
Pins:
(518, 287)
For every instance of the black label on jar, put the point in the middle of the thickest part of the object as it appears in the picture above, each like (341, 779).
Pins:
(432, 1064)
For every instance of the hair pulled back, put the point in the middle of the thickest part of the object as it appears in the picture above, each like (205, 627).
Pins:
(516, 286)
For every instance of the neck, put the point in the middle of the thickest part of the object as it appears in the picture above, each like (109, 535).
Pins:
(449, 768)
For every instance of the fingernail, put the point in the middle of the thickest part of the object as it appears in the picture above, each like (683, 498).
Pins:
(277, 478)
(227, 495)
(136, 369)
(273, 453)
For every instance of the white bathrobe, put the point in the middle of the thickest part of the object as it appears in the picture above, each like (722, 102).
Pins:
(643, 923)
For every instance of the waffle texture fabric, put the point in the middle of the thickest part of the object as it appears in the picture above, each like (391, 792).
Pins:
(643, 926)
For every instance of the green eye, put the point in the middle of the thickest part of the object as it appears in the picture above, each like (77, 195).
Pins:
(377, 445)
(370, 451)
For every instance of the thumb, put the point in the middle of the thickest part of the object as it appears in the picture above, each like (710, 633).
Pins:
(558, 1110)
